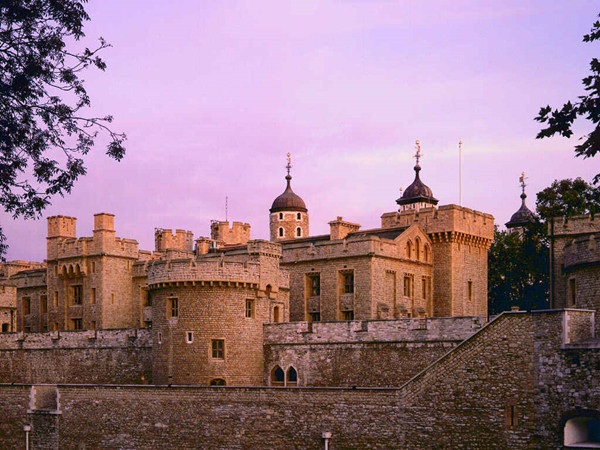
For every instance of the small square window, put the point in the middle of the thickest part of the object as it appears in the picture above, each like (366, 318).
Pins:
(77, 324)
(249, 308)
(218, 348)
(189, 337)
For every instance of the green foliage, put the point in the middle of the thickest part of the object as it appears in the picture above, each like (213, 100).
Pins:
(518, 270)
(568, 198)
(560, 121)
(43, 131)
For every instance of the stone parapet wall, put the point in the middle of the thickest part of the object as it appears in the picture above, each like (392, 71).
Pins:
(583, 250)
(201, 270)
(134, 337)
(412, 330)
(582, 224)
(90, 246)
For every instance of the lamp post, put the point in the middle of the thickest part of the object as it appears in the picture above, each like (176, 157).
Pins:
(26, 429)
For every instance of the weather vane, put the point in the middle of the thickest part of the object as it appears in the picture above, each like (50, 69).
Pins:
(418, 154)
(522, 179)
(289, 162)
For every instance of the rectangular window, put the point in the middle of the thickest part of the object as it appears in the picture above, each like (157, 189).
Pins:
(76, 297)
(43, 304)
(218, 348)
(408, 286)
(315, 285)
(173, 307)
(348, 315)
(77, 324)
(112, 298)
(315, 316)
(349, 283)
(93, 296)
(159, 337)
(93, 324)
(56, 299)
(189, 337)
(470, 290)
(250, 308)
(93, 267)
(424, 288)
(26, 306)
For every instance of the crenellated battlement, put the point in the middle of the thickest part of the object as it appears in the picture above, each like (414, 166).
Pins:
(29, 278)
(238, 233)
(353, 245)
(265, 248)
(446, 218)
(583, 250)
(409, 330)
(165, 239)
(582, 224)
(210, 270)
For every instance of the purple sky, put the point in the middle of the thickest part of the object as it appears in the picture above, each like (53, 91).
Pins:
(212, 95)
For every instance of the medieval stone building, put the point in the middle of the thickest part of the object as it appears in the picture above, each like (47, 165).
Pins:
(353, 339)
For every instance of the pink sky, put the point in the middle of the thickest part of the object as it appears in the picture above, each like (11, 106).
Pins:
(212, 95)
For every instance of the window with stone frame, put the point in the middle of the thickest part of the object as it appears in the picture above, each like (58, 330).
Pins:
(281, 233)
(348, 280)
(408, 285)
(173, 307)
(470, 290)
(277, 376)
(298, 232)
(315, 285)
(43, 304)
(26, 303)
(249, 313)
(348, 315)
(218, 348)
(76, 293)
(291, 377)
(189, 337)
(314, 316)
(77, 323)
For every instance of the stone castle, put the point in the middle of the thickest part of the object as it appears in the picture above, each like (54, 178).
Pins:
(358, 338)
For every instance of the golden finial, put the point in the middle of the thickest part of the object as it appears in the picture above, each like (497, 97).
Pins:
(289, 163)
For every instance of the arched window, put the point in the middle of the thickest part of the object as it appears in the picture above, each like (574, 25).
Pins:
(418, 248)
(71, 269)
(299, 216)
(426, 253)
(77, 270)
(276, 314)
(409, 249)
(280, 231)
(582, 432)
(292, 377)
(277, 376)
(280, 216)
(218, 382)
(298, 232)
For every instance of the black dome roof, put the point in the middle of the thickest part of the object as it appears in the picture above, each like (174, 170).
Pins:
(417, 192)
(522, 217)
(289, 200)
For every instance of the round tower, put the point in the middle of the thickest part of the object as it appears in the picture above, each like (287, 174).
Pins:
(417, 195)
(524, 216)
(289, 216)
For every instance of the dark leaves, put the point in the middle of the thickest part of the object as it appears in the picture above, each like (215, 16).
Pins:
(561, 121)
(41, 101)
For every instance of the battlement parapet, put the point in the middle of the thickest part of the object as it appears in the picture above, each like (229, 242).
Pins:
(207, 270)
(165, 239)
(238, 233)
(397, 330)
(29, 278)
(358, 245)
(121, 338)
(89, 246)
(10, 268)
(583, 250)
(265, 248)
(446, 218)
(581, 224)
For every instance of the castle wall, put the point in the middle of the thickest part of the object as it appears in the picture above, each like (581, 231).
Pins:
(115, 356)
(383, 353)
(461, 238)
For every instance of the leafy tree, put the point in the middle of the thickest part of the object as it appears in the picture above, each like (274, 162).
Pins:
(568, 198)
(560, 121)
(44, 132)
(518, 270)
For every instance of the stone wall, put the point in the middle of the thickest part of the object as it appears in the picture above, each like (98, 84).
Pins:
(115, 356)
(362, 353)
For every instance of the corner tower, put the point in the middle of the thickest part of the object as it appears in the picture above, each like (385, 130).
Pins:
(289, 216)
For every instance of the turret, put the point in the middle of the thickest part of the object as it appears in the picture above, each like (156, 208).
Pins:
(289, 216)
(417, 195)
(524, 216)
